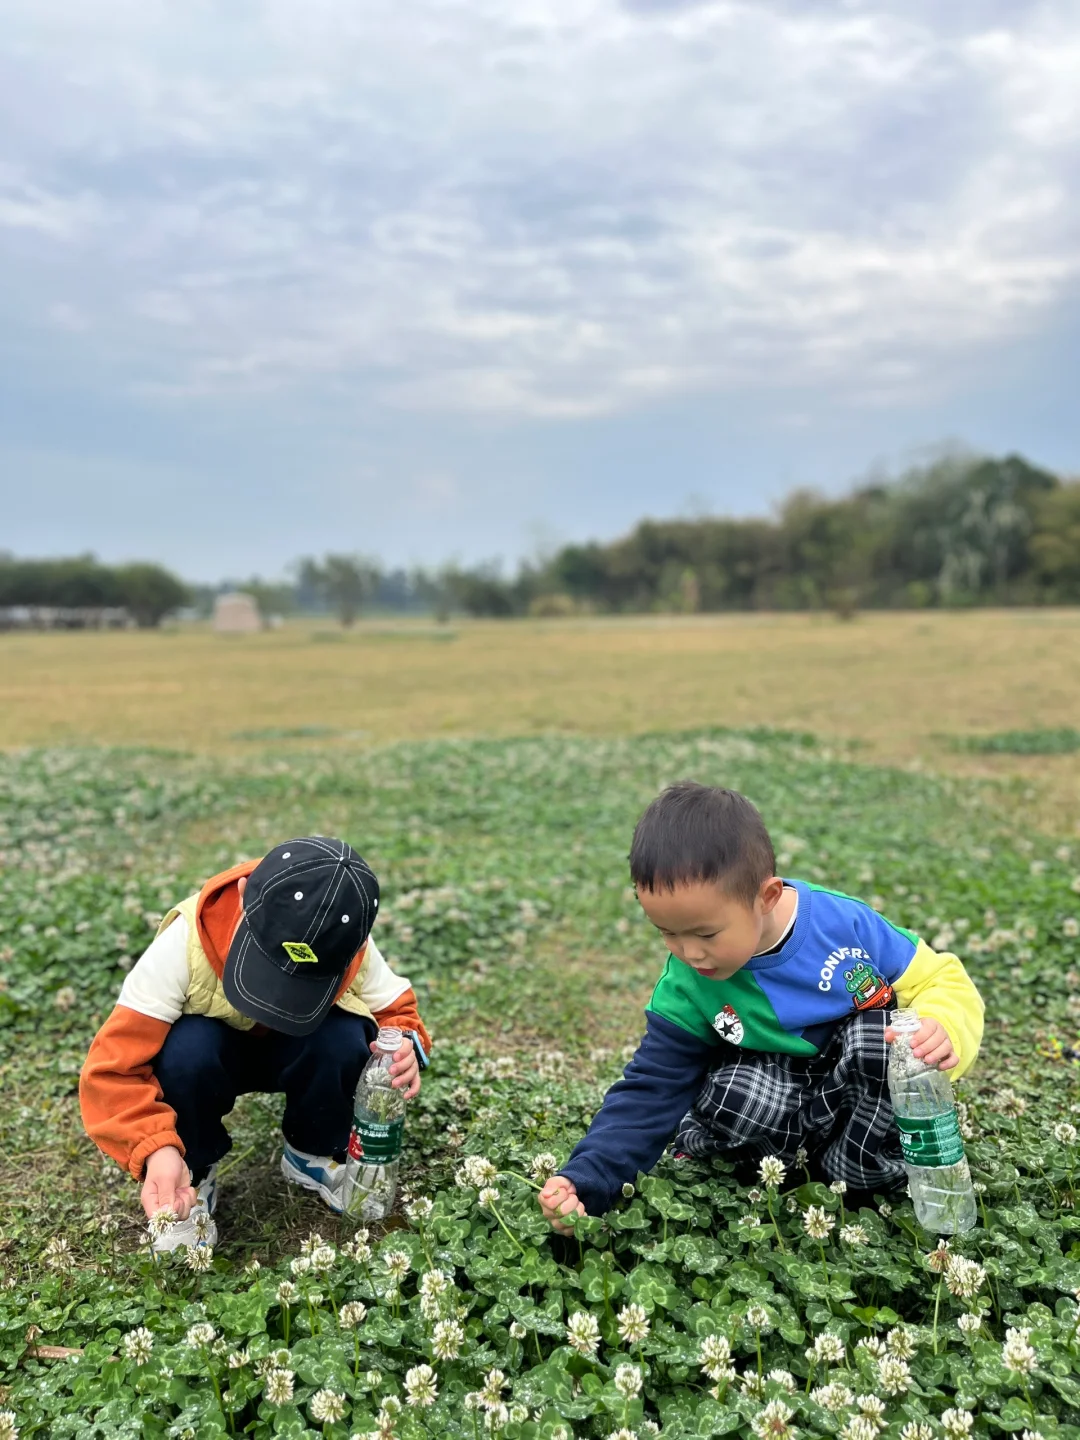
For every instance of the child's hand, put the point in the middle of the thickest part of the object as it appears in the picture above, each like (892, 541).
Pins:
(405, 1070)
(167, 1184)
(931, 1044)
(558, 1197)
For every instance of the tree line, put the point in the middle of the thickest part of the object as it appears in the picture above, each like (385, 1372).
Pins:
(964, 530)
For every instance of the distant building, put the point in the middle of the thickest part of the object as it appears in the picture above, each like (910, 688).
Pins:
(65, 617)
(236, 614)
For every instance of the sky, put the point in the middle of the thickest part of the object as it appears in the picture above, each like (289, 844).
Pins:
(457, 279)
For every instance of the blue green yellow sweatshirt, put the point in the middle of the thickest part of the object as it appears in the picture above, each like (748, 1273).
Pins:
(840, 957)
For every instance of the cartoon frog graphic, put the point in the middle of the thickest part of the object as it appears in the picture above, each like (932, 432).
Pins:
(868, 989)
(728, 1026)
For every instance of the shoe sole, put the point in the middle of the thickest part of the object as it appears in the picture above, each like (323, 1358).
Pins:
(297, 1177)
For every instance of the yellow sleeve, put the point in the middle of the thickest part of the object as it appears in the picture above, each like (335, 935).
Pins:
(939, 988)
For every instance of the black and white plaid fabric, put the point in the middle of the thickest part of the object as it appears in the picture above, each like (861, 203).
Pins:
(835, 1105)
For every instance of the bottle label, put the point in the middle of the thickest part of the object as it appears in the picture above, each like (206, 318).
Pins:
(931, 1142)
(376, 1142)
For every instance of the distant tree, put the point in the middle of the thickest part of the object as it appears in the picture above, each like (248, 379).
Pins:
(344, 582)
(273, 597)
(150, 592)
(1055, 543)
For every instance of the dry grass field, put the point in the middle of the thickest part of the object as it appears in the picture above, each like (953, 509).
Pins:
(895, 683)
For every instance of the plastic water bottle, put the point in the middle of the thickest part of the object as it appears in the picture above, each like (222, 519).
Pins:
(929, 1136)
(378, 1129)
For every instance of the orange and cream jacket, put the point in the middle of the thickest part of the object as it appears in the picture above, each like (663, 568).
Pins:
(180, 974)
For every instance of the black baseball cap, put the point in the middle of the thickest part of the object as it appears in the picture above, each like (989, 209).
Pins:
(308, 908)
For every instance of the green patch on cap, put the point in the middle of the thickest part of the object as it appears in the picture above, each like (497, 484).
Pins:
(301, 953)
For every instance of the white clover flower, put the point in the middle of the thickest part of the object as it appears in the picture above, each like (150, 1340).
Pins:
(834, 1397)
(772, 1171)
(287, 1293)
(872, 1408)
(279, 1387)
(420, 1209)
(494, 1385)
(517, 1330)
(161, 1219)
(390, 1405)
(817, 1222)
(352, 1314)
(138, 1344)
(623, 1434)
(322, 1258)
(854, 1235)
(939, 1259)
(783, 1378)
(397, 1264)
(583, 1333)
(872, 1345)
(1032, 1435)
(58, 1254)
(970, 1324)
(487, 1197)
(447, 1339)
(1013, 1106)
(627, 1190)
(1017, 1354)
(751, 1222)
(497, 1417)
(543, 1166)
(894, 1374)
(327, 1407)
(9, 1430)
(1070, 927)
(434, 1282)
(884, 1210)
(859, 1428)
(839, 1187)
(774, 1422)
(758, 1318)
(421, 1386)
(900, 1341)
(633, 1324)
(964, 1277)
(916, 1430)
(198, 1258)
(957, 1423)
(562, 1432)
(300, 1266)
(752, 1384)
(201, 1334)
(478, 1171)
(827, 1349)
(714, 1357)
(1064, 1133)
(628, 1381)
(238, 1359)
(373, 1379)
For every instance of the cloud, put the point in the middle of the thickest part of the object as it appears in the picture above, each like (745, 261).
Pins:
(554, 209)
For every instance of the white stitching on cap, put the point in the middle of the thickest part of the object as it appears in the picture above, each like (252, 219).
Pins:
(265, 1005)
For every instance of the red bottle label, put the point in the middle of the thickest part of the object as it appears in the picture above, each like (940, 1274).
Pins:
(356, 1149)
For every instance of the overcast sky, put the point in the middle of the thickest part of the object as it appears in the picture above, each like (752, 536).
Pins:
(433, 278)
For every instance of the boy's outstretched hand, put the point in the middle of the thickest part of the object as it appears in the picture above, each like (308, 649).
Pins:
(168, 1184)
(558, 1197)
(405, 1069)
(931, 1044)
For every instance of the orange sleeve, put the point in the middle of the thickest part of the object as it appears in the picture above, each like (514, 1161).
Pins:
(120, 1098)
(403, 1014)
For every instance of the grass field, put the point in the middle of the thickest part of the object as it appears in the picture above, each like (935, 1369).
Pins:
(893, 681)
(506, 901)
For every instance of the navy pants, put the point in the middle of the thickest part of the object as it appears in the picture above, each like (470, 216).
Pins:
(205, 1064)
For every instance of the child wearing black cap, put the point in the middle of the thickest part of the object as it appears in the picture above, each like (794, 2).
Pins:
(266, 980)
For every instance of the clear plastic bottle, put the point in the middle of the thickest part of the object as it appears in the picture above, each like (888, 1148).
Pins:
(378, 1128)
(929, 1136)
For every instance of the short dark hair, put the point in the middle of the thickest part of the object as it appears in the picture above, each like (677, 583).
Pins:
(694, 834)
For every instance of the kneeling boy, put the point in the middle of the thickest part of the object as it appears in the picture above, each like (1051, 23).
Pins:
(266, 980)
(768, 1031)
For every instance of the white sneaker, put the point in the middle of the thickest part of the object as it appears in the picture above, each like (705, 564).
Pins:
(320, 1173)
(200, 1227)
